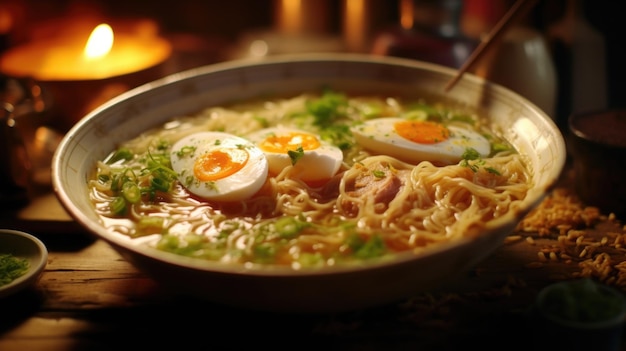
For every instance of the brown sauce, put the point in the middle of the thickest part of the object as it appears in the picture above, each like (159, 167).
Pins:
(606, 127)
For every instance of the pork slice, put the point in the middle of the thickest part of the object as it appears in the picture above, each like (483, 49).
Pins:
(377, 182)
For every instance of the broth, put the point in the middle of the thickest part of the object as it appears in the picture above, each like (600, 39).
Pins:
(375, 205)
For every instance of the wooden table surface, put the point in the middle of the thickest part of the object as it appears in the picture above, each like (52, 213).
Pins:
(89, 298)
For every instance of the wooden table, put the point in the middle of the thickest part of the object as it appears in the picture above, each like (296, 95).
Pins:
(89, 298)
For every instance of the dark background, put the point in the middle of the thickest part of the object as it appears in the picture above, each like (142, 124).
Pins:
(219, 24)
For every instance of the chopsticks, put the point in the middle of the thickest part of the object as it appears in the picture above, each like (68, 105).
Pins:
(519, 8)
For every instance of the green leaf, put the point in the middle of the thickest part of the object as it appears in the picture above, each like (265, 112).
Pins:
(295, 155)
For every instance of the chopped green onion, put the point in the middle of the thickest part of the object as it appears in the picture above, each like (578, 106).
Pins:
(492, 170)
(264, 252)
(326, 109)
(104, 178)
(162, 145)
(118, 205)
(378, 173)
(470, 154)
(289, 227)
(339, 135)
(120, 154)
(150, 221)
(364, 249)
(262, 121)
(307, 259)
(186, 151)
(497, 147)
(160, 184)
(130, 191)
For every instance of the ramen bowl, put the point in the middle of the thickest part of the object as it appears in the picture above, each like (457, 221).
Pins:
(284, 289)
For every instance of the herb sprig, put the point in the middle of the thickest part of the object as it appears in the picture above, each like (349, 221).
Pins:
(472, 160)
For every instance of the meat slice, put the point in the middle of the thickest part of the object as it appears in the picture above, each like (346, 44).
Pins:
(377, 182)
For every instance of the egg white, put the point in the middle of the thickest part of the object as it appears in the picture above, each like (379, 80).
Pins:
(237, 186)
(318, 164)
(378, 135)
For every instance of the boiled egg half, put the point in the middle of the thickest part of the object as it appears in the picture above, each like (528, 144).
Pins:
(312, 158)
(219, 166)
(415, 141)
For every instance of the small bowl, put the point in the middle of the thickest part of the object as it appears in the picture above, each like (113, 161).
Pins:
(580, 314)
(23, 245)
(597, 143)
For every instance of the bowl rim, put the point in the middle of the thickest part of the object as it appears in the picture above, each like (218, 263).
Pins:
(31, 248)
(216, 267)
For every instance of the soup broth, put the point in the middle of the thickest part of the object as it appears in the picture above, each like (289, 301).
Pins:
(387, 195)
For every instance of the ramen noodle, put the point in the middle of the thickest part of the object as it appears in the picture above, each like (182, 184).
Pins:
(386, 196)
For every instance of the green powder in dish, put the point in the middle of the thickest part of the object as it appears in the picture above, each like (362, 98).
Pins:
(11, 268)
(584, 301)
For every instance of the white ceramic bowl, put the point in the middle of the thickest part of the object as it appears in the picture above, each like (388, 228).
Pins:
(96, 135)
(23, 246)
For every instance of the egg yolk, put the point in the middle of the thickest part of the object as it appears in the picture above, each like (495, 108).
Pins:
(219, 164)
(289, 142)
(422, 132)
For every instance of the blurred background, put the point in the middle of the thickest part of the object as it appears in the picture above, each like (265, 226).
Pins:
(583, 69)
(61, 59)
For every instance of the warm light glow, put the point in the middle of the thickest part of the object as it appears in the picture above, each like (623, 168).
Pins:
(406, 14)
(290, 13)
(259, 48)
(87, 57)
(6, 20)
(355, 24)
(298, 17)
(100, 42)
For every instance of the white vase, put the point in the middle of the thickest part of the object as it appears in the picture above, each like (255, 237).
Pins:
(521, 61)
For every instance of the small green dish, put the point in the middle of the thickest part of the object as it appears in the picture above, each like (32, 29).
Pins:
(22, 245)
(580, 314)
